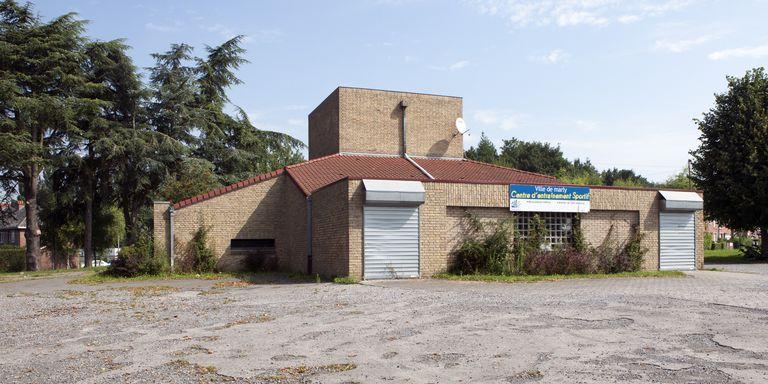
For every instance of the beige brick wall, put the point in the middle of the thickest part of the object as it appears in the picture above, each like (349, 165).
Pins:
(330, 230)
(433, 254)
(356, 198)
(324, 127)
(291, 242)
(160, 228)
(595, 225)
(645, 203)
(370, 121)
(700, 239)
(247, 213)
(442, 220)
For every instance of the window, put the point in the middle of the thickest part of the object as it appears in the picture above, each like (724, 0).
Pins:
(559, 226)
(12, 237)
(251, 243)
(3, 237)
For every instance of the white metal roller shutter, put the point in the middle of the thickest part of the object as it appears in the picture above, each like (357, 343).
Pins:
(391, 242)
(677, 241)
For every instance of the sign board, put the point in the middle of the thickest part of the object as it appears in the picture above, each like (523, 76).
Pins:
(548, 198)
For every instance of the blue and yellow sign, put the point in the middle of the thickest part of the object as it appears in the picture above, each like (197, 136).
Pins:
(548, 198)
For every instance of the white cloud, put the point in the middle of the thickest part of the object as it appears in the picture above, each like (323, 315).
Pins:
(221, 29)
(580, 17)
(677, 46)
(553, 57)
(586, 125)
(458, 65)
(296, 122)
(564, 13)
(743, 52)
(461, 64)
(628, 19)
(491, 118)
(161, 27)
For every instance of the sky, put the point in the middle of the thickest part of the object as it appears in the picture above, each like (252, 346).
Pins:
(617, 82)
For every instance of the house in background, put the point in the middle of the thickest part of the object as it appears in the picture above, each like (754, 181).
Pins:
(13, 223)
(718, 232)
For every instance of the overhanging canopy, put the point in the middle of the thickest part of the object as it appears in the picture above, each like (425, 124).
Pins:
(393, 192)
(681, 201)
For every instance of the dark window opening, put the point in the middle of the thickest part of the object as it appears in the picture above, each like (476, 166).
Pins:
(251, 243)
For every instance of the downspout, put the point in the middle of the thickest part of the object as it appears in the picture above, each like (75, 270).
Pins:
(403, 106)
(309, 235)
(415, 164)
(170, 224)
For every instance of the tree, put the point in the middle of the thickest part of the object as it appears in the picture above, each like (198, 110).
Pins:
(624, 177)
(41, 79)
(681, 180)
(532, 156)
(731, 163)
(485, 151)
(580, 172)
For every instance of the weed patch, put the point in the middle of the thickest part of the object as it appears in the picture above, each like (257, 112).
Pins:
(535, 278)
(149, 290)
(345, 280)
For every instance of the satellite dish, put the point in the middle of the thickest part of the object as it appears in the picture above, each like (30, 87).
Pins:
(461, 125)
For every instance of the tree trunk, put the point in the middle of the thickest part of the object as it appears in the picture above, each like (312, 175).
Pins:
(764, 243)
(88, 240)
(130, 215)
(32, 232)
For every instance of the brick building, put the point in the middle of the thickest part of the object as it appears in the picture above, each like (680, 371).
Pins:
(13, 223)
(386, 192)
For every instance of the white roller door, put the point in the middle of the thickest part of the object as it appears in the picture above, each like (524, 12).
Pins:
(677, 241)
(391, 242)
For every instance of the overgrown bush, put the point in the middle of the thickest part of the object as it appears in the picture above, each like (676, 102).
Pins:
(565, 261)
(12, 258)
(634, 252)
(199, 255)
(138, 259)
(487, 250)
(492, 252)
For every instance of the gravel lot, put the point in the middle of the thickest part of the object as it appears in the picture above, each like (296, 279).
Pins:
(706, 327)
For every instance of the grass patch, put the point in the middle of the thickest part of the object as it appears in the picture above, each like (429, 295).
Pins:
(345, 280)
(15, 276)
(101, 278)
(149, 290)
(725, 256)
(534, 278)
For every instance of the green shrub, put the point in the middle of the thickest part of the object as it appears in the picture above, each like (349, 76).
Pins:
(579, 243)
(138, 259)
(490, 251)
(487, 250)
(12, 258)
(742, 242)
(708, 241)
(198, 252)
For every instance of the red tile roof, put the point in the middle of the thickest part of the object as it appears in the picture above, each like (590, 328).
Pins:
(475, 172)
(315, 174)
(228, 188)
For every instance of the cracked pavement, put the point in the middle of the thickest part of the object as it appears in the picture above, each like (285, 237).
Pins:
(710, 326)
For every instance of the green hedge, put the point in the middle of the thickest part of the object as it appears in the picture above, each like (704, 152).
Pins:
(11, 258)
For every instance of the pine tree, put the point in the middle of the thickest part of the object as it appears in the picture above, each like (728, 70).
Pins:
(41, 79)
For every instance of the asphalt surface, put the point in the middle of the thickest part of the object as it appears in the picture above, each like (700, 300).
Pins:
(710, 326)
